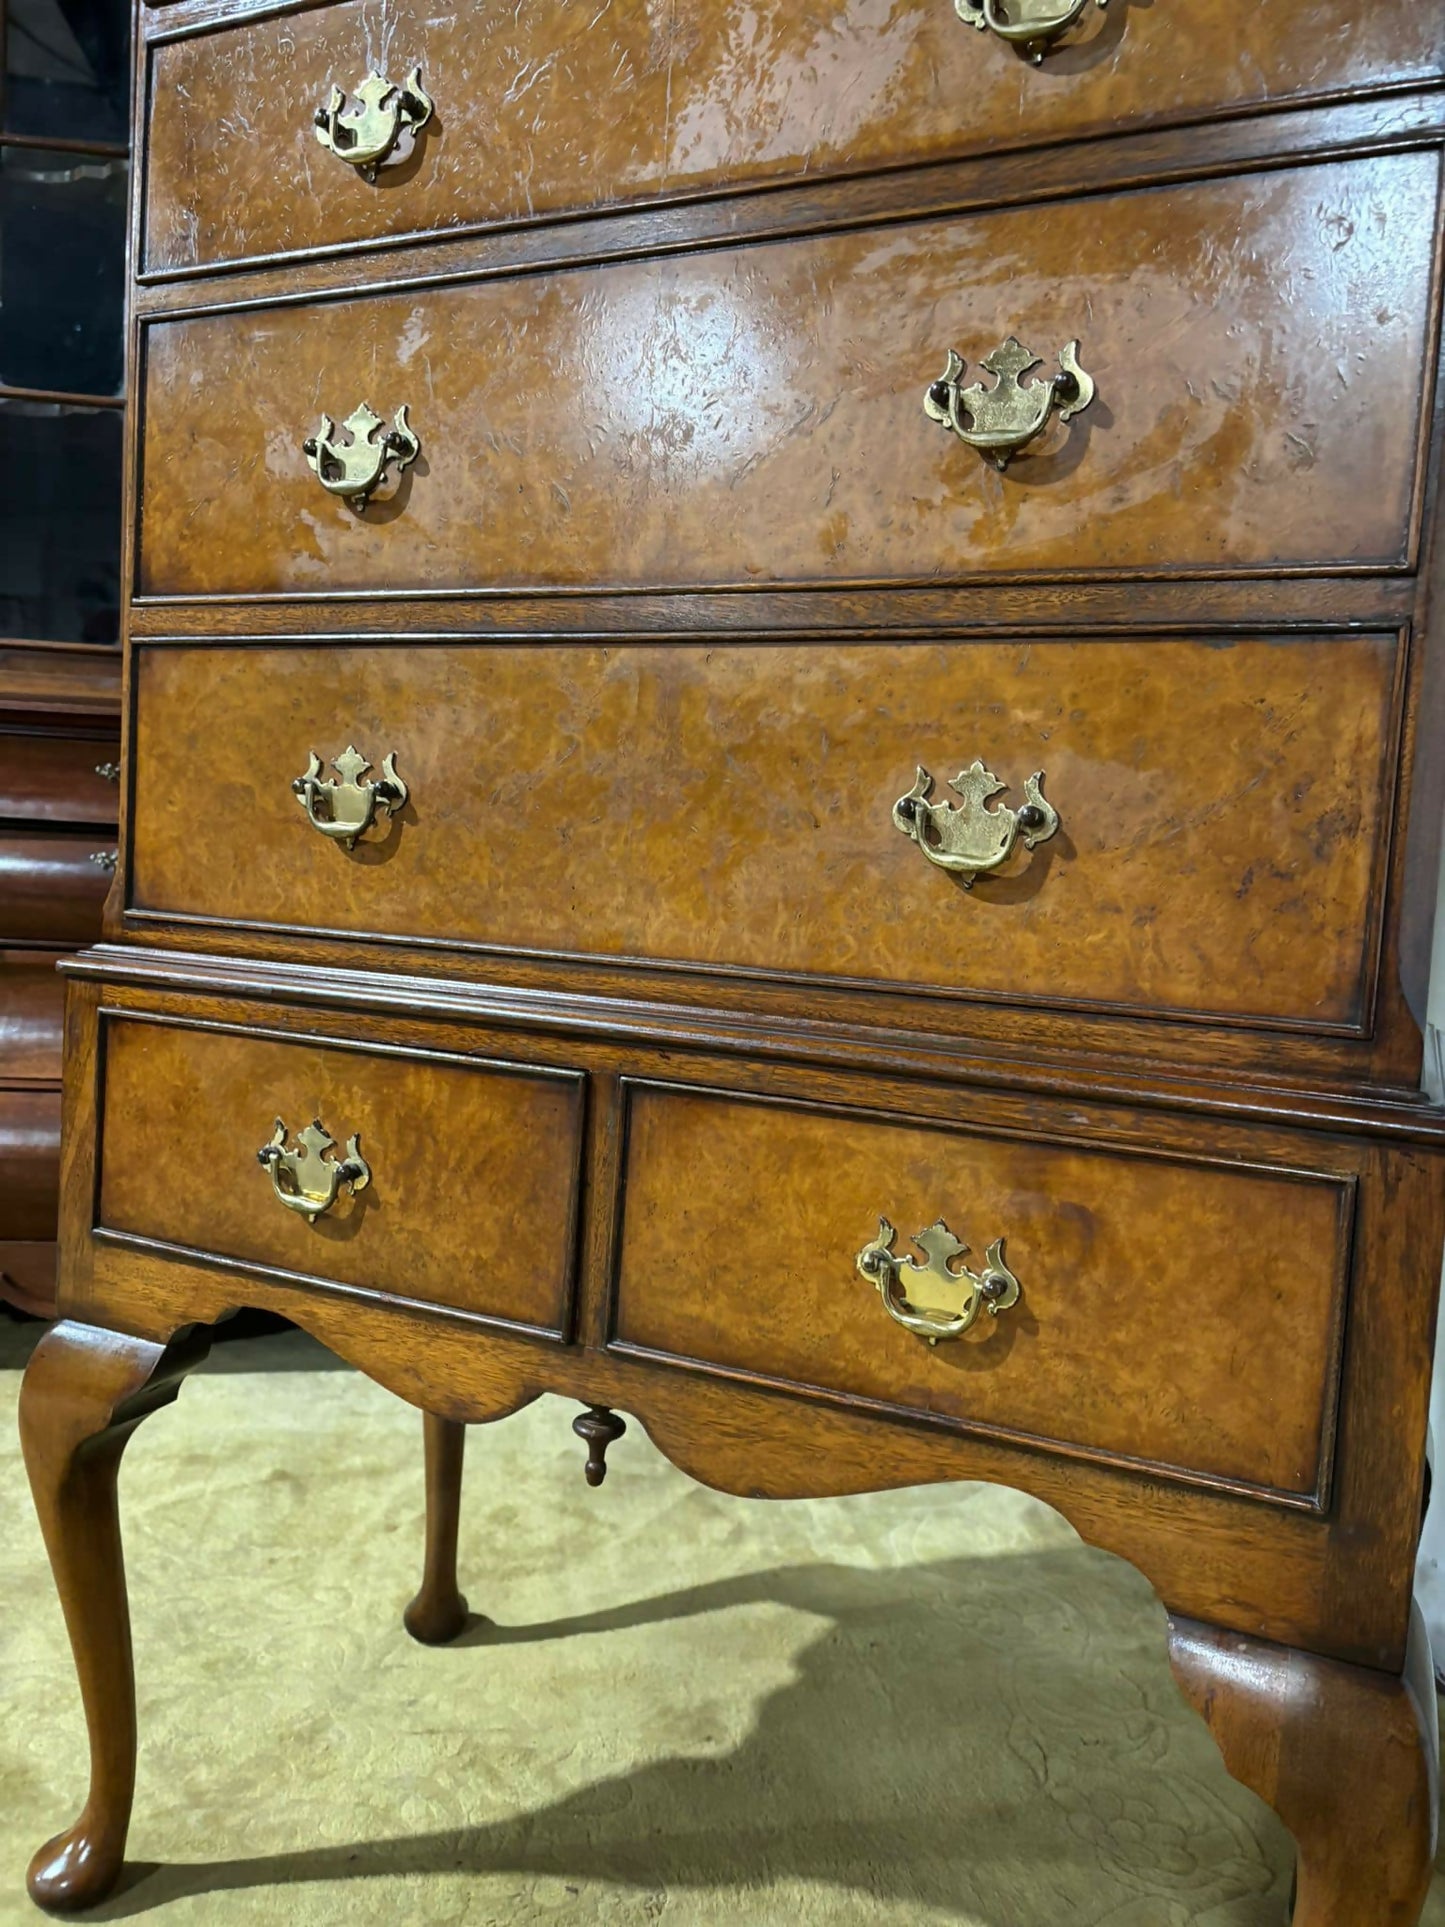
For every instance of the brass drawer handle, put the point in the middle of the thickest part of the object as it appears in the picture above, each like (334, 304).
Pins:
(1007, 417)
(972, 840)
(933, 1300)
(355, 468)
(349, 805)
(1033, 25)
(366, 134)
(305, 1179)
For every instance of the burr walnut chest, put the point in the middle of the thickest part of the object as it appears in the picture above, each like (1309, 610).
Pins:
(784, 680)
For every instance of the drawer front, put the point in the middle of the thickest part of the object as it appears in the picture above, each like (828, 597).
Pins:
(57, 779)
(756, 416)
(29, 1165)
(473, 1167)
(1223, 809)
(1179, 1315)
(692, 100)
(52, 888)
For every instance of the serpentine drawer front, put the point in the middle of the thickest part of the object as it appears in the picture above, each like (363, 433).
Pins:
(1183, 1315)
(756, 415)
(233, 122)
(739, 807)
(432, 1178)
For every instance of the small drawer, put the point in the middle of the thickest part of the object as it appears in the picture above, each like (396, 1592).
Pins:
(53, 886)
(58, 779)
(452, 1181)
(756, 416)
(1223, 809)
(687, 100)
(1177, 1315)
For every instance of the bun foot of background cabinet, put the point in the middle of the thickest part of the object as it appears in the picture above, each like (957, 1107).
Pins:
(85, 1391)
(439, 1612)
(1348, 1758)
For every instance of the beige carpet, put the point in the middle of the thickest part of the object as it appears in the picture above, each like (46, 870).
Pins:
(916, 1708)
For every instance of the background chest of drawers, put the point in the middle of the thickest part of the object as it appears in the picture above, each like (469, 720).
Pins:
(60, 741)
(683, 789)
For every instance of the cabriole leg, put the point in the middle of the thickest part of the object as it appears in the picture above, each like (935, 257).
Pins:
(439, 1612)
(84, 1393)
(1348, 1758)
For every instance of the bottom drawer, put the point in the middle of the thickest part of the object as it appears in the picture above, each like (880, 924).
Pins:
(468, 1197)
(1180, 1314)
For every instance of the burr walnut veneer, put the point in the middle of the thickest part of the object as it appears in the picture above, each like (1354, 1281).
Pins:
(784, 687)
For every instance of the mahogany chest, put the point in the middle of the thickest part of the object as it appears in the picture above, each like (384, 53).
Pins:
(784, 685)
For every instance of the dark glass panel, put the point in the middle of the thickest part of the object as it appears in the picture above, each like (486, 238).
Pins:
(67, 69)
(62, 269)
(60, 520)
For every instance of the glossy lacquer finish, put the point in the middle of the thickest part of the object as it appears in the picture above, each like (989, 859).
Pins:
(1138, 1275)
(755, 415)
(461, 1209)
(687, 99)
(732, 806)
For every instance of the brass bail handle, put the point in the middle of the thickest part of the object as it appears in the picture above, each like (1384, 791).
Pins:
(355, 467)
(306, 1179)
(1002, 420)
(345, 807)
(381, 116)
(971, 839)
(938, 1298)
(1033, 25)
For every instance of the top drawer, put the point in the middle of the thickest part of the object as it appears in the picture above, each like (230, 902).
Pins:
(543, 111)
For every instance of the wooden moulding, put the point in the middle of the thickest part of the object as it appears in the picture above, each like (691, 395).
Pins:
(761, 1030)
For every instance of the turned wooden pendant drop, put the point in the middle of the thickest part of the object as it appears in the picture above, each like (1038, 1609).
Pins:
(598, 1427)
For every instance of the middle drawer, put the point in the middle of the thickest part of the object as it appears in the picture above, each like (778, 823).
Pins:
(1222, 809)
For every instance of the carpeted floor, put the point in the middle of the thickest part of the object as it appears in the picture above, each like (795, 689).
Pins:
(909, 1709)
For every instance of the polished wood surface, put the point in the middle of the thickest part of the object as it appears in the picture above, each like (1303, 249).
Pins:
(59, 721)
(1349, 1760)
(1335, 1581)
(697, 99)
(51, 888)
(472, 1199)
(754, 416)
(85, 1392)
(61, 680)
(30, 1161)
(732, 806)
(439, 1612)
(30, 1017)
(47, 778)
(1123, 1341)
(682, 573)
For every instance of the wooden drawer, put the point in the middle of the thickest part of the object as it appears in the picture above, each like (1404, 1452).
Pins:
(29, 1164)
(1224, 809)
(472, 1198)
(52, 887)
(756, 416)
(235, 170)
(56, 779)
(1176, 1314)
